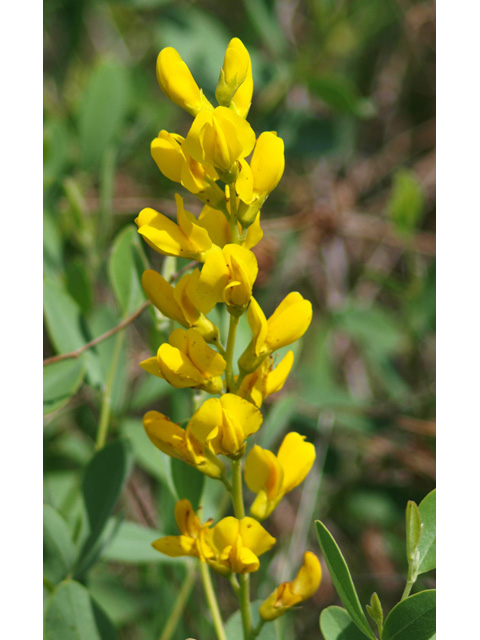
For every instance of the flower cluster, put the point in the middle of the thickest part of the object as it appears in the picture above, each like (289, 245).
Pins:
(231, 171)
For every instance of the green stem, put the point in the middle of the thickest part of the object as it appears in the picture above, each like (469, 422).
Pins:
(212, 601)
(258, 628)
(243, 578)
(232, 332)
(180, 604)
(107, 396)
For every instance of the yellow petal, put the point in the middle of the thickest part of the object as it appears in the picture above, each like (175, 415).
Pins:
(150, 365)
(243, 412)
(176, 546)
(187, 521)
(207, 360)
(254, 536)
(296, 458)
(166, 435)
(234, 71)
(258, 325)
(225, 532)
(244, 183)
(177, 368)
(254, 234)
(162, 296)
(242, 99)
(206, 421)
(262, 471)
(308, 578)
(177, 82)
(276, 377)
(267, 164)
(167, 153)
(198, 237)
(289, 321)
(216, 224)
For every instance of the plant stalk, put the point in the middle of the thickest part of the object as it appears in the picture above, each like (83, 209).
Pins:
(212, 601)
(232, 332)
(180, 603)
(107, 396)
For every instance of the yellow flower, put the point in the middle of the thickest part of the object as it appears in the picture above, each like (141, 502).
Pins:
(265, 380)
(235, 84)
(227, 276)
(220, 138)
(170, 438)
(287, 324)
(177, 82)
(187, 361)
(176, 302)
(224, 423)
(271, 477)
(220, 231)
(191, 541)
(288, 594)
(237, 545)
(259, 178)
(185, 239)
(168, 151)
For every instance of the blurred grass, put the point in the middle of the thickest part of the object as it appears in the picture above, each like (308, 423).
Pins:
(350, 87)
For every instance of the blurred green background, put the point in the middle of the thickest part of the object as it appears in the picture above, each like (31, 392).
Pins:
(350, 87)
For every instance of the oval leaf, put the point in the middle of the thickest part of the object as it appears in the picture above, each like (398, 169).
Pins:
(428, 540)
(341, 578)
(188, 482)
(336, 624)
(72, 615)
(103, 481)
(58, 548)
(412, 618)
(125, 269)
(133, 545)
(60, 381)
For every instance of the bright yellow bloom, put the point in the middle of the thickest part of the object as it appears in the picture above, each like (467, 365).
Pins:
(257, 179)
(186, 360)
(271, 477)
(287, 324)
(237, 545)
(170, 438)
(224, 423)
(168, 151)
(288, 594)
(177, 82)
(191, 541)
(185, 240)
(266, 379)
(227, 276)
(176, 302)
(220, 138)
(235, 84)
(220, 231)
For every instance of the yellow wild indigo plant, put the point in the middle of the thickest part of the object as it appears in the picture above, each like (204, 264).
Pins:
(212, 163)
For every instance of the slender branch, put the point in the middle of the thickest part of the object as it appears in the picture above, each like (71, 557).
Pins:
(78, 352)
(180, 604)
(212, 601)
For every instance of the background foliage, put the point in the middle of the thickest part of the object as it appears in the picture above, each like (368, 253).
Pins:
(350, 87)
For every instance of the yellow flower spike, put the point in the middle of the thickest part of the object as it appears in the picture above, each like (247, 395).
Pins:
(187, 361)
(185, 240)
(238, 543)
(257, 180)
(288, 594)
(287, 324)
(266, 379)
(224, 423)
(176, 302)
(168, 151)
(236, 67)
(227, 276)
(170, 438)
(177, 82)
(271, 477)
(220, 138)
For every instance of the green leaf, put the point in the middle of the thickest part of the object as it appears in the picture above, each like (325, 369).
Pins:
(102, 111)
(341, 578)
(407, 202)
(188, 482)
(125, 268)
(79, 285)
(60, 381)
(336, 624)
(412, 618)
(103, 481)
(428, 540)
(413, 529)
(72, 615)
(342, 95)
(58, 548)
(133, 545)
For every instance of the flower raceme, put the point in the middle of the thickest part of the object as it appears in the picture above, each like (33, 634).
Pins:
(266, 379)
(233, 545)
(187, 361)
(271, 477)
(288, 594)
